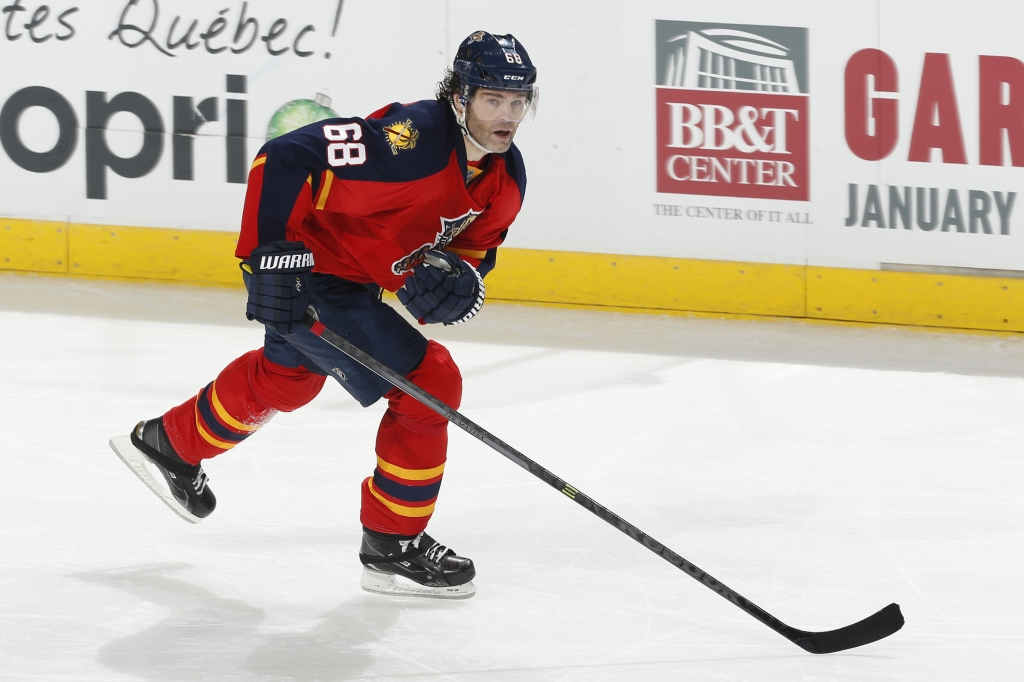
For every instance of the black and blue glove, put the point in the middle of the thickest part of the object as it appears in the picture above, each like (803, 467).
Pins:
(443, 288)
(280, 283)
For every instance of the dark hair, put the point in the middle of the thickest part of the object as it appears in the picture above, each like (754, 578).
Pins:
(447, 87)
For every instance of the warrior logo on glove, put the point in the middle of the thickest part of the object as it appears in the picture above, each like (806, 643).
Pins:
(279, 278)
(293, 263)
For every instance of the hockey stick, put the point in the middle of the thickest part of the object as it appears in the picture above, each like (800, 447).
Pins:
(871, 629)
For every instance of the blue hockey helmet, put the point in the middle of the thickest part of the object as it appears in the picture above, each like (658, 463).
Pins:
(497, 62)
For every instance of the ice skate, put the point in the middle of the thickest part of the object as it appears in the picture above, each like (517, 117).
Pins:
(414, 567)
(181, 486)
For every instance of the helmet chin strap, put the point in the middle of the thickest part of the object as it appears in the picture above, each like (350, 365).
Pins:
(461, 118)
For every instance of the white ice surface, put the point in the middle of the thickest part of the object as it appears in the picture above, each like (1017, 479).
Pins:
(821, 493)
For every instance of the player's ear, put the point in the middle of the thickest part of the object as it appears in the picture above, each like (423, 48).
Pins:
(457, 102)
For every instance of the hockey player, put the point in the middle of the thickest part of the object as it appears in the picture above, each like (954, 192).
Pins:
(414, 199)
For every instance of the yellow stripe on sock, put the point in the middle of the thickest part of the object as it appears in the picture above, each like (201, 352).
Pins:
(400, 509)
(207, 437)
(223, 414)
(409, 474)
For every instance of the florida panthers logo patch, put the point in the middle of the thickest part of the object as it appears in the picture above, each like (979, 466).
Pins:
(450, 229)
(401, 135)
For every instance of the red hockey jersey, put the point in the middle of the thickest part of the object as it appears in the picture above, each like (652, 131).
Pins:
(370, 196)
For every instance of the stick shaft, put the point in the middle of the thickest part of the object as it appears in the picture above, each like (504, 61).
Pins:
(573, 493)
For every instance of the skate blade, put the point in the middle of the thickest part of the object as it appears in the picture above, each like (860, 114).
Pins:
(147, 472)
(394, 586)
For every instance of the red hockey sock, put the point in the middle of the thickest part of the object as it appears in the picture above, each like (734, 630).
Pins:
(243, 397)
(412, 444)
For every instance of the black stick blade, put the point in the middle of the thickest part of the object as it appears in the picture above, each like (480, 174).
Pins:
(871, 629)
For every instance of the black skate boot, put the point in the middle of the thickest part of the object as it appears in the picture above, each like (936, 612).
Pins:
(429, 568)
(183, 488)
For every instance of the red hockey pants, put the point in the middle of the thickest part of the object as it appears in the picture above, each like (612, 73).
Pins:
(412, 440)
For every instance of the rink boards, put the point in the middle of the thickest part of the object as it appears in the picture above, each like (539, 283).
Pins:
(583, 280)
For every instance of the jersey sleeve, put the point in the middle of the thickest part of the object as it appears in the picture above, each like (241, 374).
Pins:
(280, 186)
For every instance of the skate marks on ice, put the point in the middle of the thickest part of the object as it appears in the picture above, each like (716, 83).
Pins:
(206, 637)
(769, 340)
(517, 377)
(150, 301)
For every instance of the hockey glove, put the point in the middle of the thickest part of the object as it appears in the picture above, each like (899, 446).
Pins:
(443, 288)
(280, 285)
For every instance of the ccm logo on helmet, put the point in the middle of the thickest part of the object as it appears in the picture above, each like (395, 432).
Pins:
(299, 260)
(514, 78)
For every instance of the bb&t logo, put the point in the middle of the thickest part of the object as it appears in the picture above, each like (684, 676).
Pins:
(732, 110)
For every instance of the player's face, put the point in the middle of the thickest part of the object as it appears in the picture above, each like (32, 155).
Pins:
(493, 116)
